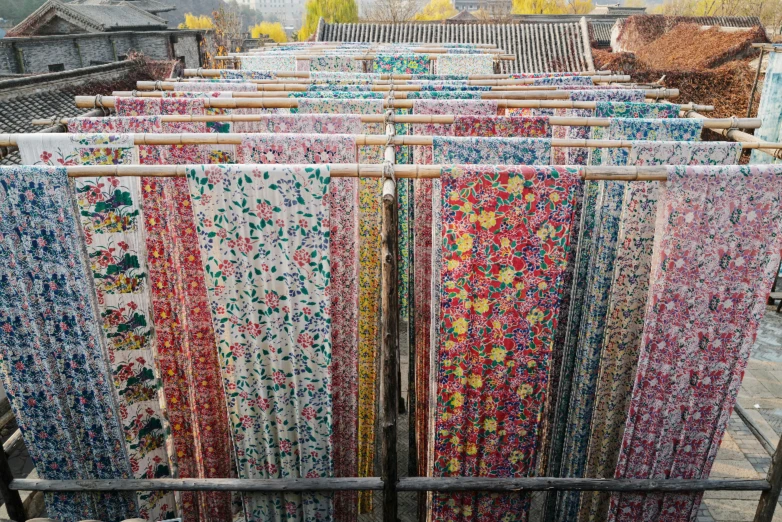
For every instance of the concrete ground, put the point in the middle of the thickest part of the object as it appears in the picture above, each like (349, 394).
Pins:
(741, 455)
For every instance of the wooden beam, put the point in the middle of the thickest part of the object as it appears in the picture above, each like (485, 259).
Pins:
(389, 345)
(212, 484)
(770, 498)
(11, 498)
(577, 484)
(13, 441)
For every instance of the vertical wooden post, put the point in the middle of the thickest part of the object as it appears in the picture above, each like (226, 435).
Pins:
(389, 345)
(13, 502)
(755, 83)
(770, 498)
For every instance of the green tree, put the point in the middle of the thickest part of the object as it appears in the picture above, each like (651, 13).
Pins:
(333, 11)
(436, 10)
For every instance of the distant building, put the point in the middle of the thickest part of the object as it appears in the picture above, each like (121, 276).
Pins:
(617, 10)
(287, 12)
(490, 6)
(60, 37)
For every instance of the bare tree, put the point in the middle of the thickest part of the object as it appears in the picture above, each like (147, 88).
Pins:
(390, 11)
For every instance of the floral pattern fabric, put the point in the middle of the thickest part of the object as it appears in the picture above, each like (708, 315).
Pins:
(215, 87)
(337, 106)
(505, 241)
(465, 64)
(493, 151)
(54, 365)
(350, 412)
(444, 95)
(267, 272)
(721, 224)
(401, 64)
(337, 94)
(502, 126)
(648, 129)
(564, 81)
(272, 63)
(230, 74)
(110, 215)
(157, 106)
(186, 353)
(335, 64)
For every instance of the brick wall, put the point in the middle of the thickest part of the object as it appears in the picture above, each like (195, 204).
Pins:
(76, 51)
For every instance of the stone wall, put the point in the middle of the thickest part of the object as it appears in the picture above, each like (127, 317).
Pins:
(35, 55)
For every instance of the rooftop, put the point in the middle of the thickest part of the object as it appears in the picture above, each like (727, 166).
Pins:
(538, 47)
(55, 17)
(150, 6)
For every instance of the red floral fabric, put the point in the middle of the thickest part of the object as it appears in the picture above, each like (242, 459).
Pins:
(187, 354)
(717, 241)
(506, 236)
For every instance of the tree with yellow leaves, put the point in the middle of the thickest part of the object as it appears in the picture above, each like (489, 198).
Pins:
(274, 31)
(196, 22)
(333, 11)
(539, 7)
(436, 10)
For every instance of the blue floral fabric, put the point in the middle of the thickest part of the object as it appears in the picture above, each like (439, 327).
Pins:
(628, 110)
(233, 74)
(492, 151)
(564, 80)
(53, 362)
(336, 94)
(649, 130)
(441, 77)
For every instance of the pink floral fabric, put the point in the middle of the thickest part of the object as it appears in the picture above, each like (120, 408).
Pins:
(716, 249)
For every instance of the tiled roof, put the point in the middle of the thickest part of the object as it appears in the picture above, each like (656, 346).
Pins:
(545, 47)
(600, 33)
(51, 96)
(91, 18)
(724, 21)
(151, 6)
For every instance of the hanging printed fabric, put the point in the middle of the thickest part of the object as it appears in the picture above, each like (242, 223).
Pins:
(599, 278)
(633, 110)
(444, 95)
(339, 106)
(717, 227)
(401, 63)
(344, 290)
(274, 63)
(465, 64)
(647, 129)
(505, 241)
(275, 340)
(343, 94)
(423, 268)
(214, 87)
(190, 371)
(368, 285)
(492, 151)
(110, 214)
(625, 315)
(564, 81)
(335, 64)
(54, 366)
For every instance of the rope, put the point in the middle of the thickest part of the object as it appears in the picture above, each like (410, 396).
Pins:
(388, 171)
(99, 104)
(158, 85)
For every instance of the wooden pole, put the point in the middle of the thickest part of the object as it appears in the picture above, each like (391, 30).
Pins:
(755, 83)
(389, 345)
(748, 141)
(769, 498)
(580, 484)
(13, 502)
(405, 484)
(215, 484)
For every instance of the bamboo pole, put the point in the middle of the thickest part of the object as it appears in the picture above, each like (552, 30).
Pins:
(543, 102)
(442, 119)
(214, 484)
(276, 85)
(733, 133)
(219, 138)
(212, 73)
(360, 57)
(389, 347)
(353, 170)
(544, 93)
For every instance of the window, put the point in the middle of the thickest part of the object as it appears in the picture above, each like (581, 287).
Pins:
(56, 67)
